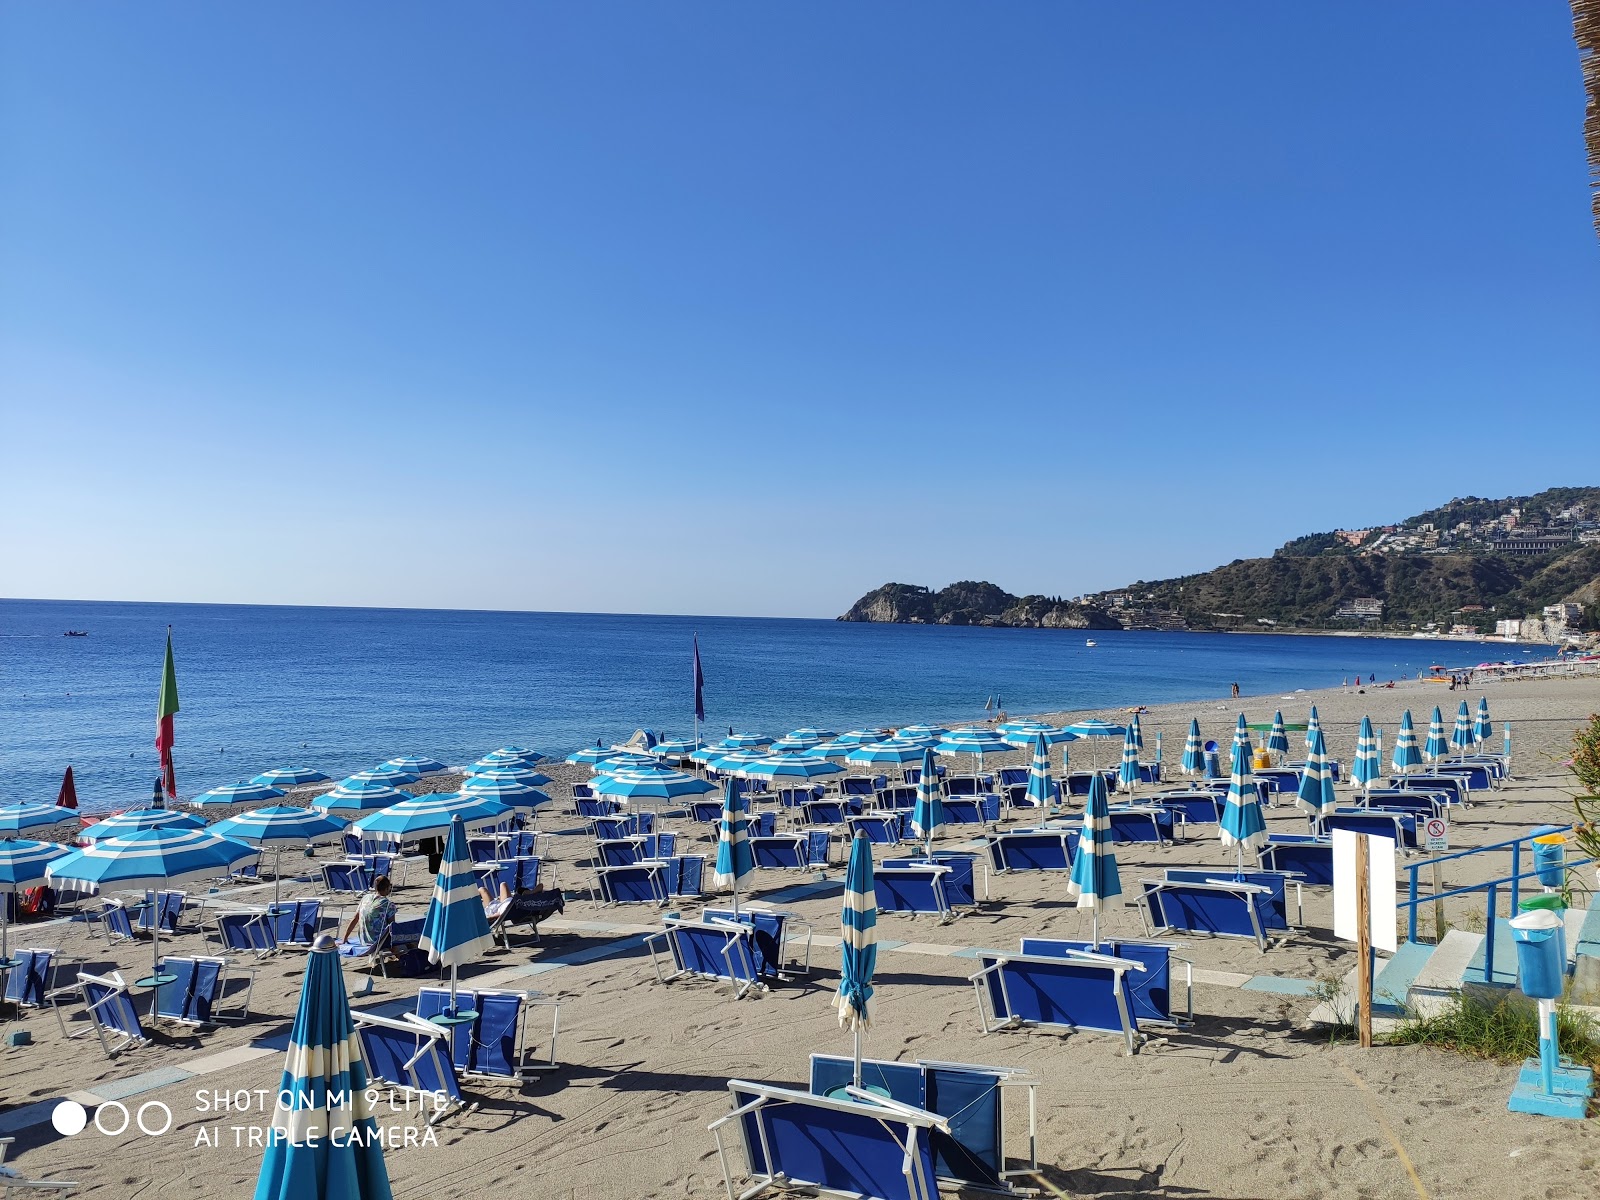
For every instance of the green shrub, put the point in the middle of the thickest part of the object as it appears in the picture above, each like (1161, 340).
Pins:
(1503, 1032)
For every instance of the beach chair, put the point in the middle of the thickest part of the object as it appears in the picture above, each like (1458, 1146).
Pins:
(638, 883)
(351, 842)
(414, 1055)
(385, 862)
(822, 812)
(619, 852)
(895, 799)
(1032, 850)
(111, 1013)
(794, 797)
(527, 908)
(1309, 858)
(165, 907)
(354, 954)
(869, 1148)
(705, 812)
(496, 1043)
(972, 810)
(346, 878)
(194, 997)
(968, 785)
(1218, 906)
(251, 933)
(1474, 776)
(1150, 990)
(521, 843)
(781, 852)
(1449, 785)
(1196, 808)
(718, 950)
(863, 787)
(1423, 804)
(1279, 779)
(1142, 823)
(913, 886)
(774, 929)
(12, 1180)
(1078, 782)
(296, 923)
(31, 983)
(1086, 991)
(483, 849)
(594, 806)
(881, 828)
(113, 921)
(970, 1097)
(1275, 912)
(1401, 826)
(1011, 777)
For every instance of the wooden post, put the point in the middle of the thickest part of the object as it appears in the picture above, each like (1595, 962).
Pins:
(1363, 944)
(1438, 907)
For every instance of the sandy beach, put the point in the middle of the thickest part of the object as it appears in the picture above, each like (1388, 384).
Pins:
(1247, 1102)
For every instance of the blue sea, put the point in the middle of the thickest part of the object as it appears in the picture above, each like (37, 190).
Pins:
(343, 688)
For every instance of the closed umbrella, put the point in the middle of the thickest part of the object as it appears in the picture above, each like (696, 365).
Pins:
(1041, 788)
(1242, 823)
(288, 777)
(235, 793)
(152, 859)
(1407, 754)
(416, 764)
(1436, 747)
(1312, 724)
(1461, 735)
(323, 1143)
(432, 815)
(136, 820)
(1368, 762)
(1095, 878)
(1136, 732)
(1128, 771)
(1278, 739)
(20, 818)
(734, 857)
(355, 803)
(1482, 726)
(858, 944)
(1315, 793)
(1194, 760)
(927, 814)
(280, 826)
(1505, 749)
(456, 929)
(22, 865)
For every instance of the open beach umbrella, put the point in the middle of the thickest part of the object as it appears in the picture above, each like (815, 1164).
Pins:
(1461, 735)
(22, 865)
(787, 767)
(790, 744)
(629, 760)
(590, 755)
(921, 731)
(1368, 764)
(1242, 823)
(1315, 793)
(20, 818)
(972, 740)
(288, 777)
(524, 775)
(728, 761)
(858, 943)
(523, 755)
(280, 826)
(674, 748)
(811, 734)
(734, 857)
(152, 859)
(1194, 759)
(1312, 724)
(1406, 752)
(1095, 878)
(509, 792)
(341, 801)
(834, 749)
(927, 814)
(136, 820)
(1041, 788)
(746, 741)
(1278, 739)
(375, 781)
(1021, 733)
(1482, 726)
(323, 1142)
(456, 929)
(432, 815)
(659, 784)
(235, 793)
(416, 764)
(1436, 747)
(888, 752)
(1128, 771)
(862, 737)
(1095, 730)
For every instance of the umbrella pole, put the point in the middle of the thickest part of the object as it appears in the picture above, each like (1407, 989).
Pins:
(5, 926)
(277, 880)
(858, 1051)
(1094, 929)
(453, 969)
(155, 937)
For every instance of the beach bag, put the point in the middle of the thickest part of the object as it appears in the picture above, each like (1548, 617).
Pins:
(37, 902)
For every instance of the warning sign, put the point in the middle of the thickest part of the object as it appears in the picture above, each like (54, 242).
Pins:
(1436, 834)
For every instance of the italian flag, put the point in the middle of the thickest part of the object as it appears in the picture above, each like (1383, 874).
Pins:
(166, 708)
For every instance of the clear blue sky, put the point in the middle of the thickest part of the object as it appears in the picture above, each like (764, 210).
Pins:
(739, 308)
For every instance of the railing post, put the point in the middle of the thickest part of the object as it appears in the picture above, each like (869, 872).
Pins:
(1411, 913)
(1488, 941)
(1516, 870)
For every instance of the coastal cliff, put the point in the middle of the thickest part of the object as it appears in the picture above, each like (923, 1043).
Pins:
(974, 603)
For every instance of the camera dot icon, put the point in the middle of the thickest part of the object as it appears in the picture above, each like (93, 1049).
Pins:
(69, 1117)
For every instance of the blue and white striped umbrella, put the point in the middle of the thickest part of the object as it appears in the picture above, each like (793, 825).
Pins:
(508, 756)
(1368, 764)
(341, 801)
(835, 749)
(675, 748)
(22, 865)
(1128, 771)
(1095, 878)
(887, 752)
(1313, 723)
(1242, 823)
(858, 943)
(651, 785)
(1437, 745)
(706, 754)
(456, 929)
(1094, 731)
(235, 793)
(376, 781)
(1021, 734)
(522, 775)
(927, 814)
(729, 761)
(735, 859)
(323, 1142)
(1194, 759)
(921, 731)
(288, 777)
(1136, 732)
(1461, 735)
(280, 826)
(431, 815)
(746, 741)
(509, 792)
(1241, 732)
(1407, 754)
(19, 818)
(136, 820)
(811, 734)
(789, 744)
(597, 753)
(788, 766)
(627, 760)
(151, 859)
(1315, 793)
(1482, 726)
(1278, 739)
(972, 740)
(1042, 789)
(862, 737)
(415, 764)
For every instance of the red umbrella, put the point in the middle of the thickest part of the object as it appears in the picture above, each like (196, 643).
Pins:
(68, 796)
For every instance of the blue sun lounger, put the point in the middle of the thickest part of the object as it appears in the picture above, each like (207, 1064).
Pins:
(1143, 823)
(969, 1096)
(1149, 991)
(30, 982)
(893, 799)
(718, 950)
(1424, 804)
(1279, 779)
(793, 797)
(637, 883)
(1400, 826)
(1448, 784)
(1475, 777)
(972, 810)
(1218, 906)
(1085, 991)
(882, 829)
(867, 1149)
(968, 785)
(346, 878)
(1078, 782)
(167, 907)
(1309, 858)
(1032, 849)
(495, 1044)
(1196, 808)
(914, 886)
(1275, 912)
(773, 928)
(792, 851)
(113, 921)
(252, 933)
(111, 1013)
(296, 923)
(195, 994)
(414, 1055)
(831, 811)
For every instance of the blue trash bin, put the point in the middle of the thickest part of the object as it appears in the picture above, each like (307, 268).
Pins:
(1550, 857)
(1541, 971)
(1213, 762)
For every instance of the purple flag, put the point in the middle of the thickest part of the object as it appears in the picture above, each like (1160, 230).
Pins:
(699, 684)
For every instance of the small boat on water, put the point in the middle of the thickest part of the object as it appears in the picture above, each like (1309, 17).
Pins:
(1089, 642)
(76, 633)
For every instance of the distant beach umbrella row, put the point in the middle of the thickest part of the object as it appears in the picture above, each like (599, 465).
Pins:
(236, 793)
(430, 815)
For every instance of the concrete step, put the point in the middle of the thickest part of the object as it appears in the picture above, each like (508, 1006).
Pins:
(1342, 1009)
(1586, 938)
(1503, 971)
(1436, 984)
(1391, 988)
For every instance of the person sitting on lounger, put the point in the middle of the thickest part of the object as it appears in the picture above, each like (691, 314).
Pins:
(374, 912)
(526, 906)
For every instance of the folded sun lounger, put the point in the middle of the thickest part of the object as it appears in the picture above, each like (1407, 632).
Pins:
(412, 1054)
(719, 950)
(495, 1044)
(111, 1013)
(1072, 992)
(1032, 850)
(1218, 906)
(1149, 991)
(13, 1180)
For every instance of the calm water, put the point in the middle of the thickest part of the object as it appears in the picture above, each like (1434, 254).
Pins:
(342, 689)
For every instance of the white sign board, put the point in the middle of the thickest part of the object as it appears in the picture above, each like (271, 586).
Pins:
(1380, 888)
(1436, 834)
